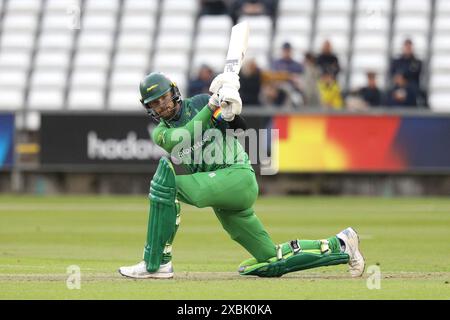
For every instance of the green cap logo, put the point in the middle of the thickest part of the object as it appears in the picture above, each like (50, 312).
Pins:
(152, 87)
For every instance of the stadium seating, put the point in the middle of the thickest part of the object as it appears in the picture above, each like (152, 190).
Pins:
(259, 43)
(206, 49)
(439, 86)
(370, 51)
(53, 58)
(133, 50)
(295, 7)
(293, 29)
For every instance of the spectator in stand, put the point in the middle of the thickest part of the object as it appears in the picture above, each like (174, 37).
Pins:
(328, 61)
(202, 82)
(290, 72)
(251, 81)
(311, 77)
(371, 94)
(408, 65)
(402, 94)
(253, 8)
(287, 62)
(411, 67)
(213, 7)
(330, 92)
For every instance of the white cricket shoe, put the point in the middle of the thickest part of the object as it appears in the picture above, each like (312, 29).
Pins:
(139, 271)
(356, 262)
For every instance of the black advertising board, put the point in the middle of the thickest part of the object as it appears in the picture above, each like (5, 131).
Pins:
(97, 140)
(102, 142)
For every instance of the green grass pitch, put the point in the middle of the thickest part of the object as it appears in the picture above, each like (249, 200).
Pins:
(409, 239)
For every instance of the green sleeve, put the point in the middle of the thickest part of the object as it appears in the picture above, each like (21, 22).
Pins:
(162, 135)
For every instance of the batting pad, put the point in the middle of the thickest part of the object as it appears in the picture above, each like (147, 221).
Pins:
(162, 215)
(292, 260)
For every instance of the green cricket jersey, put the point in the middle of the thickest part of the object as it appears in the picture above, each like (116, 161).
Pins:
(200, 154)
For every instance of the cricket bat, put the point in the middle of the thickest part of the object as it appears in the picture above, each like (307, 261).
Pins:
(237, 47)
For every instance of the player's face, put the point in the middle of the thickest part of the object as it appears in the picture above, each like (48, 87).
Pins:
(164, 106)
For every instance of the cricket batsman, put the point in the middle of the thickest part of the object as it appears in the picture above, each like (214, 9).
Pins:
(228, 187)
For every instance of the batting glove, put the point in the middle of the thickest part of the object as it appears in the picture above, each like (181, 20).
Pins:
(231, 102)
(229, 78)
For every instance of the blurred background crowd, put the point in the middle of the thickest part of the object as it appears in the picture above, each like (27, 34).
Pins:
(313, 80)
